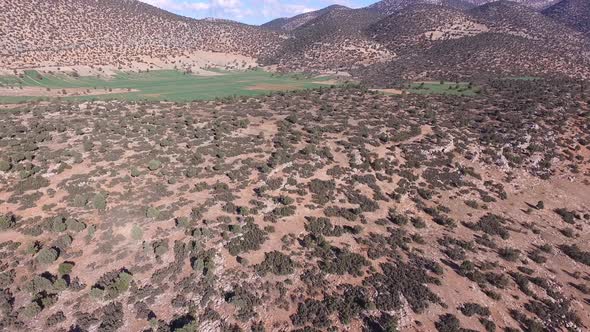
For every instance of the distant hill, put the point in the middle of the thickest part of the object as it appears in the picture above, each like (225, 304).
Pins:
(335, 40)
(419, 39)
(573, 13)
(419, 26)
(392, 6)
(62, 32)
(292, 23)
(495, 39)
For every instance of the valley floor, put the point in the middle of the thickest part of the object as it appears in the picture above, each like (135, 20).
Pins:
(336, 209)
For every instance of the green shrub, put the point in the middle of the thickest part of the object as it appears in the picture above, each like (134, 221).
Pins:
(136, 233)
(509, 254)
(575, 253)
(6, 222)
(154, 164)
(470, 309)
(31, 310)
(75, 225)
(100, 201)
(152, 212)
(135, 172)
(58, 224)
(5, 165)
(47, 256)
(111, 285)
(65, 268)
(275, 262)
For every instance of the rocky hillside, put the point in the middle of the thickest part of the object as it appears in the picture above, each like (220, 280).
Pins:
(335, 40)
(420, 39)
(495, 39)
(68, 32)
(392, 6)
(420, 26)
(573, 13)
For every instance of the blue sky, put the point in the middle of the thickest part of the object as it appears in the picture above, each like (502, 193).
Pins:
(249, 11)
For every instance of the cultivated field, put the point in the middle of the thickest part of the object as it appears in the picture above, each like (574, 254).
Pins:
(166, 85)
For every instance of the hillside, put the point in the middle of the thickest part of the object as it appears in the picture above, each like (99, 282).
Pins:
(332, 41)
(495, 39)
(573, 13)
(392, 6)
(101, 32)
(417, 27)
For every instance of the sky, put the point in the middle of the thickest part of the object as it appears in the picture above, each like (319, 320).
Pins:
(249, 11)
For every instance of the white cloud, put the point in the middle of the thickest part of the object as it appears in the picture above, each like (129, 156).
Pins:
(277, 8)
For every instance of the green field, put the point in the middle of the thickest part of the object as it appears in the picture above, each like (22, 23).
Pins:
(448, 88)
(166, 85)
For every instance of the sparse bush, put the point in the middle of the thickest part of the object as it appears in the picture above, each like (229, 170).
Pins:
(576, 253)
(470, 309)
(509, 254)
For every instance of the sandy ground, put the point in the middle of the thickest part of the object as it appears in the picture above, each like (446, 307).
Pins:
(389, 91)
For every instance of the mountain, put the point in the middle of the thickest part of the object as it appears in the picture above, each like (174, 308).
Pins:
(499, 38)
(496, 39)
(334, 40)
(392, 6)
(94, 32)
(509, 17)
(292, 23)
(573, 13)
(419, 26)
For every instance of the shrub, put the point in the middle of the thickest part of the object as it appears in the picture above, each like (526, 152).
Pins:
(275, 262)
(470, 309)
(154, 164)
(65, 268)
(135, 172)
(100, 201)
(47, 256)
(136, 233)
(493, 225)
(5, 165)
(111, 285)
(344, 262)
(31, 310)
(576, 253)
(566, 215)
(152, 212)
(509, 254)
(75, 225)
(6, 222)
(448, 323)
(323, 191)
(58, 225)
(250, 240)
